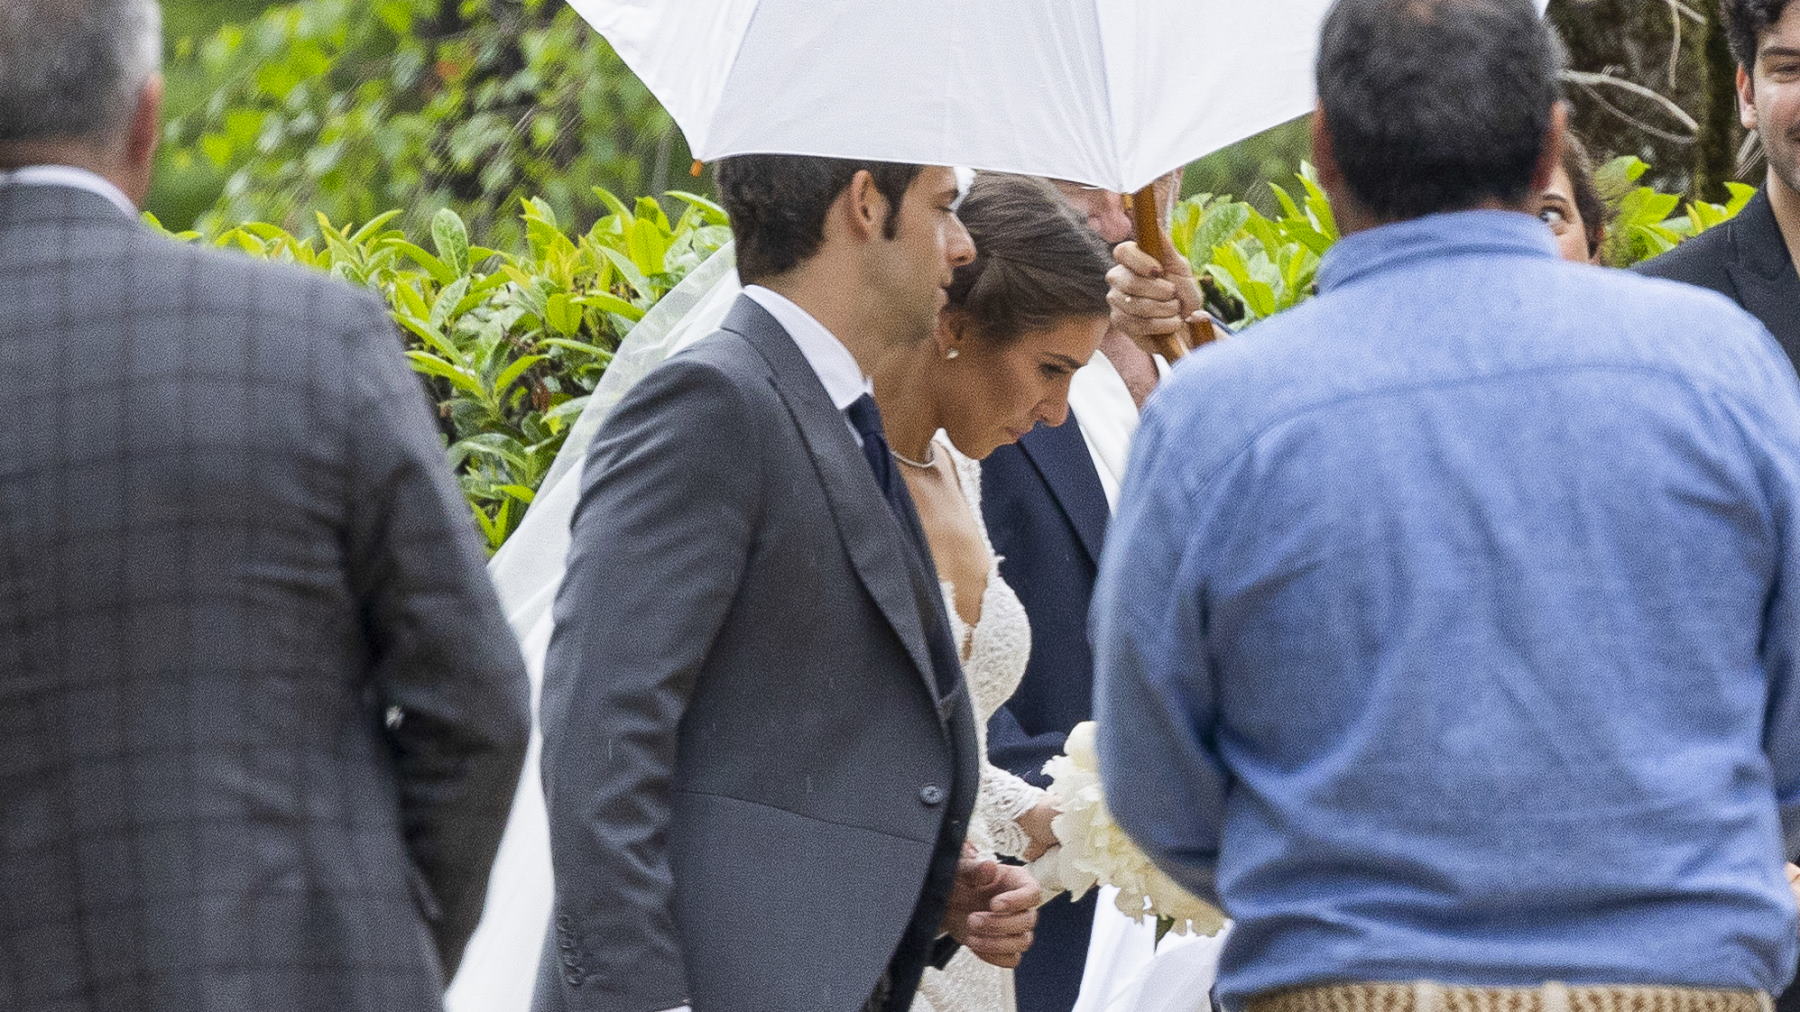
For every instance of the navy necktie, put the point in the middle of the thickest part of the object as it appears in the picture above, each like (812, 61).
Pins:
(865, 418)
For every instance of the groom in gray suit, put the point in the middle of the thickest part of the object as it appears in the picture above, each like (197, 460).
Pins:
(759, 755)
(260, 716)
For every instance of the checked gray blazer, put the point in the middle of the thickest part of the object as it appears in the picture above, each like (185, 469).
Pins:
(260, 716)
(756, 794)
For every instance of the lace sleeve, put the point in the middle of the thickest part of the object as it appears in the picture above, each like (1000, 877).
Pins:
(1003, 798)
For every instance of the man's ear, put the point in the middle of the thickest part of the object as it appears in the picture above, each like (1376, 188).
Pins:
(1746, 95)
(1324, 155)
(1556, 137)
(142, 135)
(865, 209)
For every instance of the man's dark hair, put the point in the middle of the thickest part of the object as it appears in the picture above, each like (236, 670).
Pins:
(777, 205)
(1745, 21)
(1437, 105)
(1036, 263)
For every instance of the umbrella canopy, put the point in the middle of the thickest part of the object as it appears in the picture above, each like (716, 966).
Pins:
(1112, 93)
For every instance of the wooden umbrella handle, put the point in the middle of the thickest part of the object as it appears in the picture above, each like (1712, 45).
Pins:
(1153, 239)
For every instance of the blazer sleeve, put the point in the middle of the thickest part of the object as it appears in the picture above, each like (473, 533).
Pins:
(446, 667)
(670, 505)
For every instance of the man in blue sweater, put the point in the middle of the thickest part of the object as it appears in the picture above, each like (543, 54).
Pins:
(1448, 631)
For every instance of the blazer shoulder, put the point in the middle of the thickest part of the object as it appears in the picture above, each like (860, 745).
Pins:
(718, 381)
(225, 287)
(1702, 260)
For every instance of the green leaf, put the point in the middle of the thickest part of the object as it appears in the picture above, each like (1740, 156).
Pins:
(512, 372)
(452, 238)
(458, 377)
(375, 225)
(566, 412)
(446, 305)
(440, 271)
(610, 304)
(1741, 194)
(562, 314)
(1220, 225)
(581, 347)
(647, 245)
(711, 212)
(627, 269)
(613, 203)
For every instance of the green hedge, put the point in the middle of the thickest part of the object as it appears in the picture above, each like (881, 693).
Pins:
(512, 342)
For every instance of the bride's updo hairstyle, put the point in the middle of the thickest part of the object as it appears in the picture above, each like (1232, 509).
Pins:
(1036, 261)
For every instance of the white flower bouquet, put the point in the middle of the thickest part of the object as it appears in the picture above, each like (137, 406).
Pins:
(1096, 851)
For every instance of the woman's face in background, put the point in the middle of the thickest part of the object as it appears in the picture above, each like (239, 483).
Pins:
(1556, 206)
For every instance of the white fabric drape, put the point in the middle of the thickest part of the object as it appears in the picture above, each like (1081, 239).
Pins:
(499, 967)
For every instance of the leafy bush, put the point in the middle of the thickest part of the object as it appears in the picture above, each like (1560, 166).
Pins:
(510, 343)
(1647, 222)
(1252, 266)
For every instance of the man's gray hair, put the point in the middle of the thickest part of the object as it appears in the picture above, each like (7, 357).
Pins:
(73, 69)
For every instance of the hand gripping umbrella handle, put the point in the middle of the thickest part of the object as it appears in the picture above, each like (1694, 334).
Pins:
(1153, 239)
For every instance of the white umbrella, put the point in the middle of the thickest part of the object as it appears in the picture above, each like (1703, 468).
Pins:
(1113, 93)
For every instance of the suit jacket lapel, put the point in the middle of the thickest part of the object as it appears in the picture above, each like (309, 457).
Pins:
(1060, 454)
(871, 533)
(1767, 285)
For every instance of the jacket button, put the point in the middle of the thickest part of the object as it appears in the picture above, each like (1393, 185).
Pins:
(931, 794)
(565, 921)
(573, 978)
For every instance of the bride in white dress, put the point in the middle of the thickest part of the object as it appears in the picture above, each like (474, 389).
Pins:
(1027, 313)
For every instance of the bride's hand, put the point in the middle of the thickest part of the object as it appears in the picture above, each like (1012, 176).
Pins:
(1036, 824)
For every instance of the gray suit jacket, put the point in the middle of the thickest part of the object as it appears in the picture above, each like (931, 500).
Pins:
(260, 715)
(749, 776)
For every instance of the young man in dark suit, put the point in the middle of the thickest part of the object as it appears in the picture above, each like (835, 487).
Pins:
(1750, 259)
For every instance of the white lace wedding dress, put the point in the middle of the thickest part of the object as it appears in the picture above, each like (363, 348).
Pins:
(994, 653)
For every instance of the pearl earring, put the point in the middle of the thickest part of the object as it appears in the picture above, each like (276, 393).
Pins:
(951, 353)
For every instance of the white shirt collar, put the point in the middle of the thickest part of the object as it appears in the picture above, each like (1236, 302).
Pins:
(843, 379)
(69, 176)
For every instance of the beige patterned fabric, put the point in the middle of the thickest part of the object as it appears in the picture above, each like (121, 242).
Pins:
(1429, 996)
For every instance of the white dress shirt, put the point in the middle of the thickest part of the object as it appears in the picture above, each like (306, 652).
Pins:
(836, 368)
(69, 176)
(1103, 406)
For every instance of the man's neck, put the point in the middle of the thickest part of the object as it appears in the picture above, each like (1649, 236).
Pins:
(1786, 204)
(31, 155)
(834, 303)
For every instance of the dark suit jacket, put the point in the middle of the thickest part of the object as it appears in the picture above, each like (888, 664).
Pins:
(1746, 260)
(261, 718)
(1046, 513)
(756, 797)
